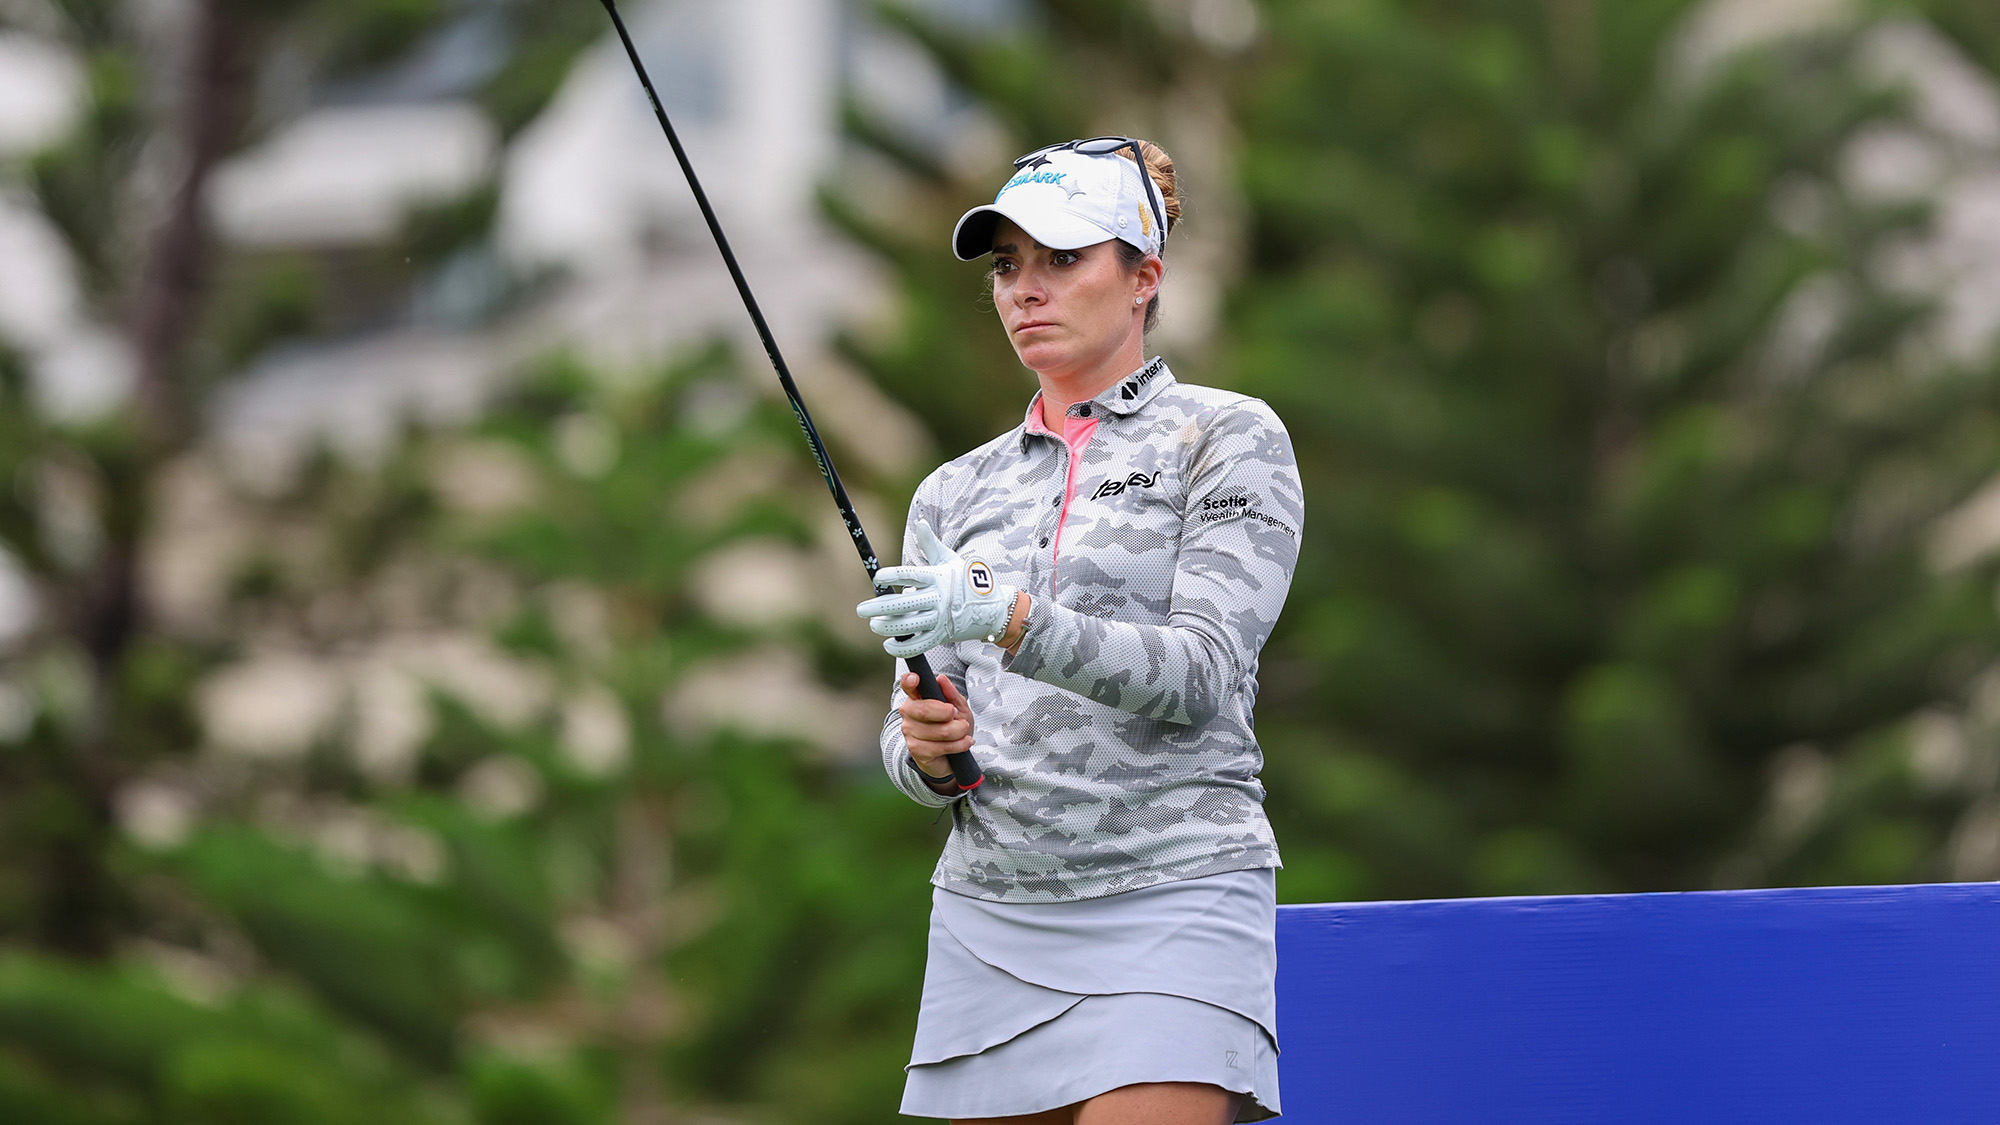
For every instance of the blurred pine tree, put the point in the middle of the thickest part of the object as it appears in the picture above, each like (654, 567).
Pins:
(413, 895)
(1623, 459)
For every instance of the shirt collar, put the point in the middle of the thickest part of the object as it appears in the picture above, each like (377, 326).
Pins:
(1124, 397)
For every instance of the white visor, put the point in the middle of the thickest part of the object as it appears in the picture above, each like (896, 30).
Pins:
(1066, 200)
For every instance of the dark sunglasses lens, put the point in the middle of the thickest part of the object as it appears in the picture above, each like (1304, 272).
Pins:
(1095, 146)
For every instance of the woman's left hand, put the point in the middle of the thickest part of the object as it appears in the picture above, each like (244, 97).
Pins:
(951, 599)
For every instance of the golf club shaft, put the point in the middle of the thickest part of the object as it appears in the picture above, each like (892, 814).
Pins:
(963, 768)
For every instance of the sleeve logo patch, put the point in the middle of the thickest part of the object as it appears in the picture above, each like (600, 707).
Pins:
(1233, 504)
(979, 576)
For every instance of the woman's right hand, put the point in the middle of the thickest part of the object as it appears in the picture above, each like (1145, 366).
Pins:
(933, 728)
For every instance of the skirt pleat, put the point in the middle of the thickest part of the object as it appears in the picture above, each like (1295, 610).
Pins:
(1098, 1045)
(1171, 983)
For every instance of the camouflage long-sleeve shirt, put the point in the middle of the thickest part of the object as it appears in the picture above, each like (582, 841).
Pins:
(1157, 536)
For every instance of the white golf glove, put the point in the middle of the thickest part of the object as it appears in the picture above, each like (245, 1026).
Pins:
(949, 600)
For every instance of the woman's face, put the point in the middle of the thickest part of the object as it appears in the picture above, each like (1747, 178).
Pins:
(1067, 311)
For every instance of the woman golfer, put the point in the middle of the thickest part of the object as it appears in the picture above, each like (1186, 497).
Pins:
(1093, 587)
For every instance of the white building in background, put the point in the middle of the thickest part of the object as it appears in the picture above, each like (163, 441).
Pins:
(590, 190)
(752, 86)
(350, 175)
(589, 193)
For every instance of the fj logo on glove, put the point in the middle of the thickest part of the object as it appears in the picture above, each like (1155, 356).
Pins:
(980, 577)
(1114, 486)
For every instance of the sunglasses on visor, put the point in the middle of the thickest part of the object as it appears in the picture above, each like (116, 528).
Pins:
(1104, 146)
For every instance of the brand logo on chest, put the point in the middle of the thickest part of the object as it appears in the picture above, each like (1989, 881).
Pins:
(1113, 486)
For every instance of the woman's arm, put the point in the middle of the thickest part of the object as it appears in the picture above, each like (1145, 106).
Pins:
(1239, 544)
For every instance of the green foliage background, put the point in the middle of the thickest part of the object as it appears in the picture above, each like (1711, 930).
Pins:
(1611, 584)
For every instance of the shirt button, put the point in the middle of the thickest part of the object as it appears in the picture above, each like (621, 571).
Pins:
(1085, 412)
(1055, 501)
(1045, 540)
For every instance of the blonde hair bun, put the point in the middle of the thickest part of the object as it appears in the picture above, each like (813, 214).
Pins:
(1160, 167)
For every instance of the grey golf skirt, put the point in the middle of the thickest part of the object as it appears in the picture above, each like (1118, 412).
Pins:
(1032, 1006)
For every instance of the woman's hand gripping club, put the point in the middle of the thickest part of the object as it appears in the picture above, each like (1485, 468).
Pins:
(935, 729)
(949, 600)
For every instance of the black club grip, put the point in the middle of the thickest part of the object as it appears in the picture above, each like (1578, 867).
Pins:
(963, 768)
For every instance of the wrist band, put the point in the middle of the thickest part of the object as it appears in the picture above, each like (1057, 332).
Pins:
(933, 782)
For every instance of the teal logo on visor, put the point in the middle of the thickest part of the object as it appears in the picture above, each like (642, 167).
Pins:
(1031, 177)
